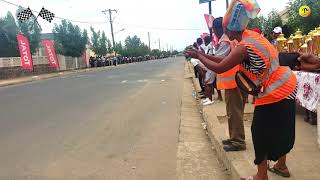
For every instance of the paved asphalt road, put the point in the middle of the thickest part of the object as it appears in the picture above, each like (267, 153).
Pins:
(119, 123)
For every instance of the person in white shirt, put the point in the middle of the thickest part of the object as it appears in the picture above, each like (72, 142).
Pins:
(211, 76)
(199, 69)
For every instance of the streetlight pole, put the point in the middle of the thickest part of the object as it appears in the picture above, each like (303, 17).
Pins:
(149, 41)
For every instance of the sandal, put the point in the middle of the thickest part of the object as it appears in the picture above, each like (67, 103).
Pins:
(232, 147)
(227, 142)
(248, 178)
(280, 172)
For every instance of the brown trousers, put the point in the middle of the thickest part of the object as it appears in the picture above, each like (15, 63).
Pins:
(235, 103)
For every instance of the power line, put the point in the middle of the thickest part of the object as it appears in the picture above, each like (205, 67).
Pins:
(105, 22)
(158, 28)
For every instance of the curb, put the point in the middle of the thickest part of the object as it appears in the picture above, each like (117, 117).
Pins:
(235, 162)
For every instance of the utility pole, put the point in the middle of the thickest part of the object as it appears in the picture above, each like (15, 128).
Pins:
(210, 16)
(111, 25)
(227, 4)
(149, 40)
(159, 45)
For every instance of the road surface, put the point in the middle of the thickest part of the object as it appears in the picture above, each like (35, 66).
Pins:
(119, 123)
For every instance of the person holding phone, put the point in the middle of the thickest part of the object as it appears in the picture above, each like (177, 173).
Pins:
(308, 62)
(273, 132)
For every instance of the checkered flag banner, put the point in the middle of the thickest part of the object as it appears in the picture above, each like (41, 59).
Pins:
(47, 15)
(24, 15)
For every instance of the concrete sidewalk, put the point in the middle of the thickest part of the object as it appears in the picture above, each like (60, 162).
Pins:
(196, 158)
(303, 160)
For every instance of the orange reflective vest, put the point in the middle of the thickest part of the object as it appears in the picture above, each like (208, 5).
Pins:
(226, 80)
(277, 82)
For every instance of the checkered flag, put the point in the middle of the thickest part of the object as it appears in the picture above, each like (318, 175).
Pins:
(47, 15)
(24, 15)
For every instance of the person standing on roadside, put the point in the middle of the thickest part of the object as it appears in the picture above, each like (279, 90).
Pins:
(273, 131)
(211, 51)
(210, 75)
(199, 69)
(235, 99)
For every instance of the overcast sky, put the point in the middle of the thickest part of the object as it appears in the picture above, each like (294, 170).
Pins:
(138, 17)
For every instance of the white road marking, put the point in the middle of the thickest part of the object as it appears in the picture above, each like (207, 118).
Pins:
(124, 81)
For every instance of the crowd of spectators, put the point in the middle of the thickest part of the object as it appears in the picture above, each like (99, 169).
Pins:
(100, 61)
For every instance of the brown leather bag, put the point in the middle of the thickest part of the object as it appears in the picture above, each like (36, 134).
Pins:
(245, 84)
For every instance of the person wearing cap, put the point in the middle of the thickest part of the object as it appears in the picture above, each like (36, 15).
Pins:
(273, 132)
(275, 34)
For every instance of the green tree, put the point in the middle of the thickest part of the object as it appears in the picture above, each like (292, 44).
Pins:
(95, 41)
(110, 48)
(305, 24)
(8, 40)
(257, 22)
(103, 44)
(31, 30)
(273, 20)
(100, 43)
(155, 52)
(119, 48)
(85, 38)
(134, 47)
(69, 39)
(175, 52)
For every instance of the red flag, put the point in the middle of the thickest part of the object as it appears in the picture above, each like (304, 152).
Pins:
(25, 53)
(51, 54)
(85, 57)
(209, 19)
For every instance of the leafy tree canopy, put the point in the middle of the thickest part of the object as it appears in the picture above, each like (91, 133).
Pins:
(135, 47)
(155, 52)
(8, 40)
(31, 30)
(305, 24)
(69, 39)
(101, 45)
(273, 20)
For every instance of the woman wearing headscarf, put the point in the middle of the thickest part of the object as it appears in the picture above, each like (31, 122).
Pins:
(273, 126)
